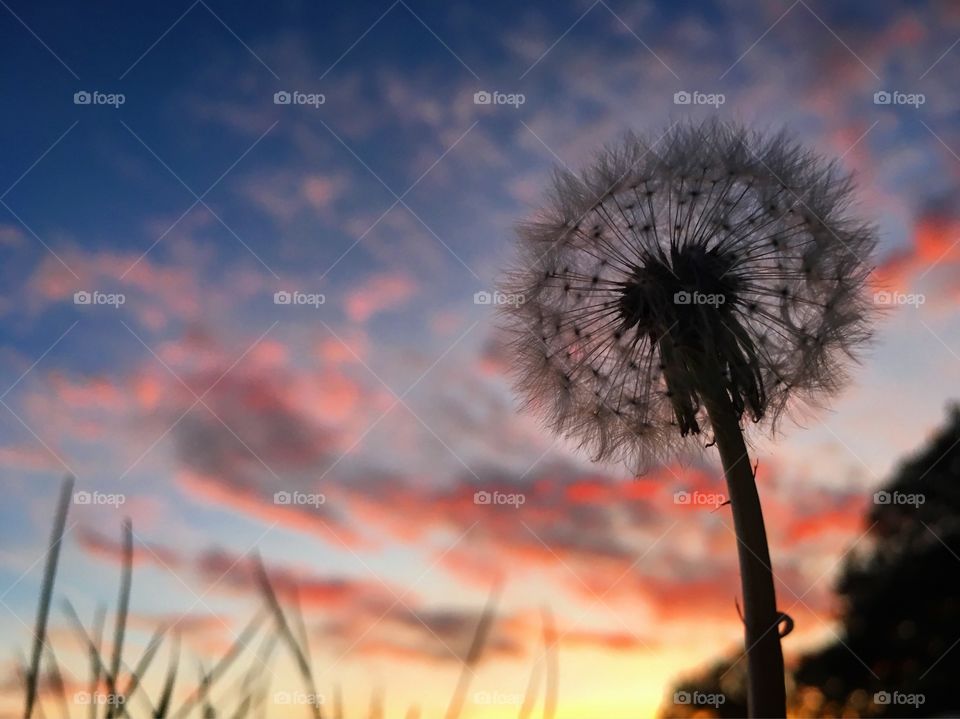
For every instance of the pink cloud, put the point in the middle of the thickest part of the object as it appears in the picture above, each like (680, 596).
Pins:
(284, 195)
(379, 293)
(934, 254)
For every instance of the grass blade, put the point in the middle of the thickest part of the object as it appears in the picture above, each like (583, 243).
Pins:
(141, 667)
(303, 664)
(473, 655)
(169, 682)
(226, 661)
(123, 608)
(46, 594)
(100, 669)
(56, 680)
(93, 651)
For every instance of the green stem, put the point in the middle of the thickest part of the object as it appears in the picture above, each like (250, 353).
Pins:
(766, 692)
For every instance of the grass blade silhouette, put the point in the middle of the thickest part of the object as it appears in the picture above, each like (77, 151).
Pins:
(141, 667)
(46, 594)
(473, 655)
(283, 626)
(123, 608)
(226, 661)
(169, 681)
(93, 651)
(56, 680)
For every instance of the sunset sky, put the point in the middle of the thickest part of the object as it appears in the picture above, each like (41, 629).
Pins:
(199, 398)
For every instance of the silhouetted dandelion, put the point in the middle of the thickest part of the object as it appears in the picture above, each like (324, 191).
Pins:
(674, 287)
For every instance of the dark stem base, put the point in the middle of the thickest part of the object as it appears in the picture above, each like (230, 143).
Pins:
(766, 691)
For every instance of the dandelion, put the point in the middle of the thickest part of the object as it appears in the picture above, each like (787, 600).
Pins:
(675, 287)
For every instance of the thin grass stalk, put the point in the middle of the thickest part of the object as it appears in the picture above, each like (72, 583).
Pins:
(473, 655)
(93, 651)
(302, 661)
(56, 679)
(226, 661)
(123, 608)
(46, 594)
(299, 625)
(100, 671)
(208, 711)
(140, 669)
(259, 669)
(166, 694)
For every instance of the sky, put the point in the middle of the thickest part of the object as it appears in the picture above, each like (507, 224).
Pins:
(158, 190)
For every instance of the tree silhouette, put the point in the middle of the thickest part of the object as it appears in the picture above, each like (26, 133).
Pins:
(691, 697)
(901, 596)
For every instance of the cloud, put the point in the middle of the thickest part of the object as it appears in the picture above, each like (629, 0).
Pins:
(379, 293)
(30, 457)
(934, 255)
(99, 545)
(284, 194)
(361, 617)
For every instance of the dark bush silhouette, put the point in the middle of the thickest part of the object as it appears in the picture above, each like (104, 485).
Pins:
(901, 597)
(691, 697)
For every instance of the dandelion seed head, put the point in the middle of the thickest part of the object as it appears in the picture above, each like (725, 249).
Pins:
(714, 251)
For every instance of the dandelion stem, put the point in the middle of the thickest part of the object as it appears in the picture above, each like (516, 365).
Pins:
(766, 692)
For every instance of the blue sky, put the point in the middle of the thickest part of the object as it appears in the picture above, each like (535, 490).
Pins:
(199, 197)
